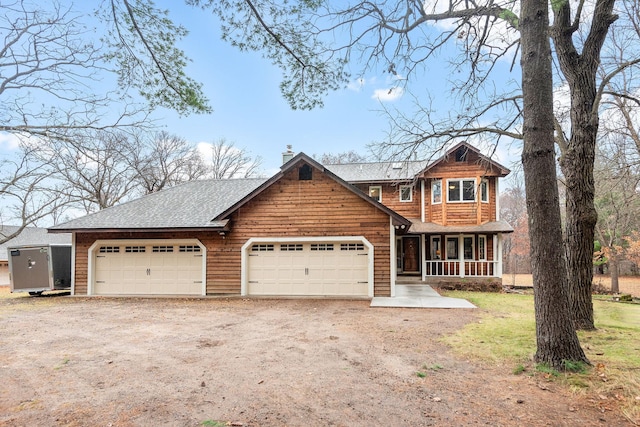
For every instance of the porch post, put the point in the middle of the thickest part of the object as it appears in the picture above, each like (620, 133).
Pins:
(423, 260)
(461, 255)
(498, 243)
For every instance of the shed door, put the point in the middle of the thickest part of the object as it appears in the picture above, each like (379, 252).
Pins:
(148, 269)
(308, 269)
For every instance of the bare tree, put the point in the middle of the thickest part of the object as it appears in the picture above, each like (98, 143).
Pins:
(228, 161)
(350, 156)
(26, 193)
(163, 160)
(95, 171)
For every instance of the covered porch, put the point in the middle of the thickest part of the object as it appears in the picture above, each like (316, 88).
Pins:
(434, 251)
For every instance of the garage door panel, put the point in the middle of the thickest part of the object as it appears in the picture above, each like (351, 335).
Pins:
(317, 269)
(147, 269)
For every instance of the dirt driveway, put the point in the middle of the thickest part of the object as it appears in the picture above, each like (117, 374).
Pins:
(175, 362)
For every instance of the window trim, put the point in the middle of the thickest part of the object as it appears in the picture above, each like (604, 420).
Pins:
(433, 184)
(484, 183)
(461, 182)
(482, 256)
(405, 187)
(379, 188)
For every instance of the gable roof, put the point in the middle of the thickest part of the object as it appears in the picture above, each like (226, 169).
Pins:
(303, 158)
(483, 160)
(198, 205)
(192, 205)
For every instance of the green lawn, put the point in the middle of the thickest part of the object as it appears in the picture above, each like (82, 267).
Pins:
(505, 336)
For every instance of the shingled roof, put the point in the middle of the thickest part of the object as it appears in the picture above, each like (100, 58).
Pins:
(30, 236)
(192, 205)
(379, 171)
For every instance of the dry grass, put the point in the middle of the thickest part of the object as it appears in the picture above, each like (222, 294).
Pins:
(628, 284)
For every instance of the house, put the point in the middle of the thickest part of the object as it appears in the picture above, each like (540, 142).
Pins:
(27, 236)
(309, 230)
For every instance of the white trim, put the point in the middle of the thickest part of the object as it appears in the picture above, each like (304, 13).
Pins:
(497, 180)
(131, 242)
(423, 258)
(393, 270)
(410, 187)
(73, 263)
(433, 202)
(482, 236)
(422, 201)
(498, 255)
(484, 181)
(375, 186)
(244, 263)
(461, 180)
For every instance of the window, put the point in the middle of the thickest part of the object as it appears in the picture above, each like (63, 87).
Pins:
(262, 248)
(452, 248)
(305, 173)
(435, 248)
(406, 193)
(352, 246)
(375, 192)
(134, 249)
(482, 248)
(436, 191)
(484, 191)
(322, 246)
(162, 248)
(461, 190)
(189, 248)
(110, 249)
(461, 154)
(291, 247)
(468, 247)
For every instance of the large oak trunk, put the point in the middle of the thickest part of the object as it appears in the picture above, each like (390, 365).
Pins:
(557, 341)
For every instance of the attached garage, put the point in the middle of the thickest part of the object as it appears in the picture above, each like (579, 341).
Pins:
(301, 267)
(142, 267)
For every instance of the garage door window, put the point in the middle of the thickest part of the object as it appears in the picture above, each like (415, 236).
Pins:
(262, 248)
(322, 246)
(189, 248)
(110, 249)
(294, 247)
(137, 249)
(163, 249)
(352, 247)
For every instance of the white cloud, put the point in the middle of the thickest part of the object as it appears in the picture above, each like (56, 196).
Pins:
(9, 141)
(356, 85)
(388, 94)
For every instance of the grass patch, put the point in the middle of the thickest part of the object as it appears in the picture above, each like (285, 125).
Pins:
(505, 335)
(420, 374)
(213, 423)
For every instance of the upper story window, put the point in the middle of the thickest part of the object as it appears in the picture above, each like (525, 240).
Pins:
(375, 192)
(406, 193)
(436, 191)
(484, 191)
(461, 190)
(305, 173)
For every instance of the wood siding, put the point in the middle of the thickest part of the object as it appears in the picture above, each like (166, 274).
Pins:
(391, 197)
(289, 208)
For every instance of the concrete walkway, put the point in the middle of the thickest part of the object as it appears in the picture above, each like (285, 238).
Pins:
(419, 296)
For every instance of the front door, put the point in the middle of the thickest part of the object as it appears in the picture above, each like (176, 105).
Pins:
(411, 254)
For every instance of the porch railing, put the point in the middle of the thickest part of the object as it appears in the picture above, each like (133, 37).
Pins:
(464, 268)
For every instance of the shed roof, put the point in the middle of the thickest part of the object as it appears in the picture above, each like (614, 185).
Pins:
(30, 236)
(500, 226)
(192, 205)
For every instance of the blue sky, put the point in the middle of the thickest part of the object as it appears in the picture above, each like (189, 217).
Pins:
(250, 111)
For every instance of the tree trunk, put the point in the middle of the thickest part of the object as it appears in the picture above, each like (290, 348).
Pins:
(614, 271)
(580, 70)
(556, 338)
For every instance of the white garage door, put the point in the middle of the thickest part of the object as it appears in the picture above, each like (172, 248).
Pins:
(322, 269)
(148, 269)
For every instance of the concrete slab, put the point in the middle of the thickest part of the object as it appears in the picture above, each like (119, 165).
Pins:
(419, 296)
